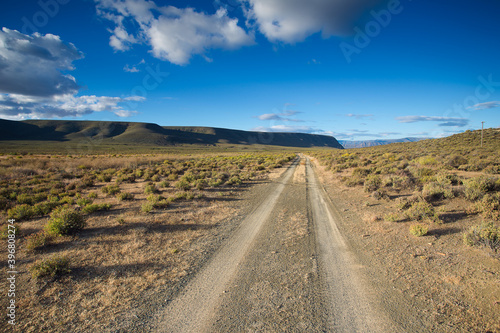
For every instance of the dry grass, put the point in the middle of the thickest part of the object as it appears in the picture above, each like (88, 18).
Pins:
(122, 253)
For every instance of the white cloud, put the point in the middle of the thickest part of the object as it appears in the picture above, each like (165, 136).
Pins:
(129, 69)
(289, 129)
(282, 116)
(19, 107)
(444, 121)
(35, 65)
(33, 83)
(359, 116)
(174, 34)
(487, 105)
(292, 21)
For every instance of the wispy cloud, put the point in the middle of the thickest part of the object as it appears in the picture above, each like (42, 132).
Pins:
(288, 129)
(282, 116)
(174, 34)
(487, 105)
(359, 116)
(352, 134)
(443, 121)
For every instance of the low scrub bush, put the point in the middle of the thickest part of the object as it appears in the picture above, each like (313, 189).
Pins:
(111, 189)
(65, 221)
(488, 207)
(372, 183)
(147, 207)
(21, 212)
(52, 267)
(422, 210)
(475, 188)
(392, 217)
(7, 229)
(125, 196)
(150, 189)
(487, 235)
(91, 208)
(380, 194)
(39, 240)
(419, 230)
(83, 202)
(353, 181)
(234, 180)
(183, 184)
(455, 161)
(435, 191)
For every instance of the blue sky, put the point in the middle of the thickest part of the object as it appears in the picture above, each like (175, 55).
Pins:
(358, 70)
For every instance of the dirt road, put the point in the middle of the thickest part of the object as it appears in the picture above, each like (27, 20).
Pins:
(286, 268)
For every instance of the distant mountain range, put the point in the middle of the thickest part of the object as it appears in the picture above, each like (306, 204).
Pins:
(371, 143)
(148, 134)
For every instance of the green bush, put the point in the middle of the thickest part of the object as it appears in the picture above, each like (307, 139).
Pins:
(422, 210)
(105, 178)
(5, 228)
(164, 184)
(90, 208)
(456, 161)
(38, 240)
(235, 180)
(147, 207)
(392, 217)
(150, 189)
(372, 183)
(419, 230)
(183, 185)
(360, 172)
(65, 221)
(21, 212)
(111, 189)
(83, 202)
(475, 188)
(434, 191)
(353, 181)
(52, 267)
(488, 206)
(24, 198)
(125, 196)
(485, 235)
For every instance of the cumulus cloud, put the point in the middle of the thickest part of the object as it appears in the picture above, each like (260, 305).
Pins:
(174, 34)
(35, 65)
(443, 121)
(19, 107)
(292, 21)
(487, 105)
(33, 82)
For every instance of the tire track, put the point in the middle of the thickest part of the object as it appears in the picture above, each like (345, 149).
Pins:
(347, 300)
(193, 309)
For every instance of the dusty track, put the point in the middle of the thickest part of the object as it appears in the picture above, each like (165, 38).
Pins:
(286, 268)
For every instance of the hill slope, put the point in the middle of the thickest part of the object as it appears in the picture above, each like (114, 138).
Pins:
(151, 134)
(372, 143)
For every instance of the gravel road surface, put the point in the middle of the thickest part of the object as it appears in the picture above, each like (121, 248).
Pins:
(286, 268)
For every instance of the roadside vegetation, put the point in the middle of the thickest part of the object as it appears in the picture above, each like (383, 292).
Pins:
(94, 231)
(431, 182)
